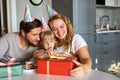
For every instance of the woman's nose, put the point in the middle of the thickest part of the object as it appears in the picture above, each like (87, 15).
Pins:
(59, 31)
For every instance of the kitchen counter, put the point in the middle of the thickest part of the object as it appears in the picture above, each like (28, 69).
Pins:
(110, 31)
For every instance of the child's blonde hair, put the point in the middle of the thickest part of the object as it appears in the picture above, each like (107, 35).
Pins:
(47, 34)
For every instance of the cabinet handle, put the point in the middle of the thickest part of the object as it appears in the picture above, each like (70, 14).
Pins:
(95, 38)
(105, 34)
(116, 33)
(105, 43)
(105, 52)
(116, 2)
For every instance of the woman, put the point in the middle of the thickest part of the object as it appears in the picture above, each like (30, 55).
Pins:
(71, 43)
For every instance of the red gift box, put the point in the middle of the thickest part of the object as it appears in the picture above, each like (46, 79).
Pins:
(55, 66)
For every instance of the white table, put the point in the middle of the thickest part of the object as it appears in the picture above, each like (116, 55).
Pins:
(93, 75)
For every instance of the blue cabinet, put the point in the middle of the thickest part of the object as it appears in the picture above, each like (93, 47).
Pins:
(104, 51)
(116, 46)
(107, 49)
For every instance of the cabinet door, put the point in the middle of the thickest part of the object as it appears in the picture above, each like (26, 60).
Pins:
(105, 55)
(110, 2)
(115, 3)
(105, 60)
(116, 46)
(118, 3)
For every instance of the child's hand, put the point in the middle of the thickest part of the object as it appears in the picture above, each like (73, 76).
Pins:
(38, 53)
(49, 51)
(61, 54)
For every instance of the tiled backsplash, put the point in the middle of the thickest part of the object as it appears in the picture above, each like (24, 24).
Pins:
(113, 13)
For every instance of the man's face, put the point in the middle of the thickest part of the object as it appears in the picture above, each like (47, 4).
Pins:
(32, 37)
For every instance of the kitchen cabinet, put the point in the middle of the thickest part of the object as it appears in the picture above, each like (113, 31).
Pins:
(115, 3)
(107, 49)
(110, 3)
(116, 45)
(104, 52)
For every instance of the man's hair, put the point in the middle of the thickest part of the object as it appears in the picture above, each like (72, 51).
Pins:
(28, 26)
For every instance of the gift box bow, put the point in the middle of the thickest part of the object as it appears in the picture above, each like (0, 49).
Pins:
(11, 61)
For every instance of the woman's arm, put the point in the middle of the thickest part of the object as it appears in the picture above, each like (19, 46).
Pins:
(85, 63)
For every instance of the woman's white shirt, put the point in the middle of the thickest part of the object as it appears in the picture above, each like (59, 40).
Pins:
(77, 43)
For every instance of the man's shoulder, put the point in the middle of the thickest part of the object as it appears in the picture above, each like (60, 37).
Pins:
(11, 35)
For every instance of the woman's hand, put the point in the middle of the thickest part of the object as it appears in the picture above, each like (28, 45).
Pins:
(79, 71)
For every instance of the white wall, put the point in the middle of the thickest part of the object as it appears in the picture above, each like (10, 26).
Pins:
(17, 8)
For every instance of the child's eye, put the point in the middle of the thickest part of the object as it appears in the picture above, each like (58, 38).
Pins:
(51, 41)
(44, 42)
(34, 34)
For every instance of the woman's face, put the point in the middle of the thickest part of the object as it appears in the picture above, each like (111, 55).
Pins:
(59, 28)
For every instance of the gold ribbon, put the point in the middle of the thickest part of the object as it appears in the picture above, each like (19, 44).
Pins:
(48, 69)
(58, 57)
(53, 56)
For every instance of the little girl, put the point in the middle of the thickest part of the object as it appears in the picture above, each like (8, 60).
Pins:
(48, 43)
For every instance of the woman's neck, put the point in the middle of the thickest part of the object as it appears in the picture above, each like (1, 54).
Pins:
(61, 42)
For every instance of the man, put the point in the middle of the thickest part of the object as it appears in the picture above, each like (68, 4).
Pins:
(21, 45)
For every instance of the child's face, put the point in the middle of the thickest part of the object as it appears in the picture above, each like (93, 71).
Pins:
(49, 43)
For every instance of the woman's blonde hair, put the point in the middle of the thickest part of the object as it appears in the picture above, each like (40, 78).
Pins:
(70, 31)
